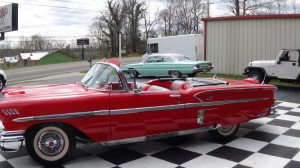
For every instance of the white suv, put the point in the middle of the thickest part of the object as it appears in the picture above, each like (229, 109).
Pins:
(286, 67)
(3, 79)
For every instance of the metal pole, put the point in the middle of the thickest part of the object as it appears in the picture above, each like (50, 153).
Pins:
(82, 52)
(120, 47)
(2, 36)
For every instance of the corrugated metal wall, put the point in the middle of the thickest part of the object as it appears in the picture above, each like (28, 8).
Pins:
(232, 44)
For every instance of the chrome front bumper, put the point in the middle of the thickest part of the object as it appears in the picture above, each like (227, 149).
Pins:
(203, 69)
(11, 141)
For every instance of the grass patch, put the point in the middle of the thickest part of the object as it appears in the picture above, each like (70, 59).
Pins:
(56, 58)
(84, 71)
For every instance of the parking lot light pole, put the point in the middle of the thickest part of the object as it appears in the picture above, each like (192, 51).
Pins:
(120, 50)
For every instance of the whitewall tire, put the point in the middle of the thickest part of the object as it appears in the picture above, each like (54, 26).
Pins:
(50, 145)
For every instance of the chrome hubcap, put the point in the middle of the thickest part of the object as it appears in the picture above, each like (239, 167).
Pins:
(226, 128)
(1, 84)
(51, 143)
(174, 73)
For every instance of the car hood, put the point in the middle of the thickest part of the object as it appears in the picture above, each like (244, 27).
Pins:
(44, 90)
(262, 62)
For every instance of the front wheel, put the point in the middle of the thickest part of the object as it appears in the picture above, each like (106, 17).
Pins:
(225, 131)
(51, 144)
(256, 75)
(2, 83)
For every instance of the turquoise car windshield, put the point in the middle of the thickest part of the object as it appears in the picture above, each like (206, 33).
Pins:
(173, 58)
(181, 58)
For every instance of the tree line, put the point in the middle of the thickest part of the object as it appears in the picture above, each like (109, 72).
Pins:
(134, 21)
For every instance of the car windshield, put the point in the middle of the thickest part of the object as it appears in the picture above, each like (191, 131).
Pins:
(167, 58)
(101, 76)
(179, 58)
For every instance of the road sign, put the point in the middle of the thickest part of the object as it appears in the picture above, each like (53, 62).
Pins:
(83, 41)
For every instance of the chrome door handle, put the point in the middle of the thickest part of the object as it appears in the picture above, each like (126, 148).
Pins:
(175, 95)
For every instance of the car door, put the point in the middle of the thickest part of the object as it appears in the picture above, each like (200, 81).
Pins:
(145, 113)
(147, 67)
(152, 66)
(288, 67)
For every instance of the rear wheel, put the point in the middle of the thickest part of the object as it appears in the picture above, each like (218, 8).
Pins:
(226, 131)
(175, 74)
(50, 144)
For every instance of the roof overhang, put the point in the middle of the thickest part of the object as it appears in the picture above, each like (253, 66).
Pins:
(278, 16)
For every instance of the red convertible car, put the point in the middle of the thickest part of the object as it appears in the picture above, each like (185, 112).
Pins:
(104, 107)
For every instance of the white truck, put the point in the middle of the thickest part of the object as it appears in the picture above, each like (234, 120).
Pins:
(190, 45)
(286, 67)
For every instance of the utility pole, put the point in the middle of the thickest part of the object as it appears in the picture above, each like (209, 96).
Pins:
(237, 7)
(120, 48)
(244, 7)
(208, 3)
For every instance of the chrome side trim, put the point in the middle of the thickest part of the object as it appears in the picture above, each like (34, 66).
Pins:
(153, 137)
(146, 109)
(131, 110)
(62, 116)
(216, 103)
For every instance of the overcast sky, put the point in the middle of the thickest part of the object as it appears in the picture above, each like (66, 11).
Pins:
(63, 18)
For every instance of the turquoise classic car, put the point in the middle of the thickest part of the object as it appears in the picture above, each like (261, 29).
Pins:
(173, 65)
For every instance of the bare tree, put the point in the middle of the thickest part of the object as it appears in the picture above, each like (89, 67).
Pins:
(134, 11)
(167, 15)
(188, 14)
(150, 21)
(294, 7)
(37, 42)
(107, 26)
(247, 7)
(279, 6)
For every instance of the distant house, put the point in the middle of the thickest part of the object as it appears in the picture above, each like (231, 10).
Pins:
(24, 59)
(10, 61)
(36, 56)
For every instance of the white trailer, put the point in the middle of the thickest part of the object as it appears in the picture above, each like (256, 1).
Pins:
(190, 45)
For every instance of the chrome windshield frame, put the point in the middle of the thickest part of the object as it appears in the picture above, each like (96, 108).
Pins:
(121, 76)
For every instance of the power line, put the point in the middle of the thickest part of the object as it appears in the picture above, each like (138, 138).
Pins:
(44, 36)
(61, 7)
(73, 2)
(64, 11)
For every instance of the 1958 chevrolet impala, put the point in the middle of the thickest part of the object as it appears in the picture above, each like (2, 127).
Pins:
(104, 107)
